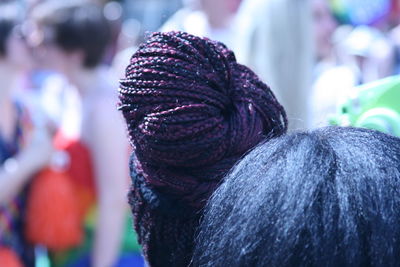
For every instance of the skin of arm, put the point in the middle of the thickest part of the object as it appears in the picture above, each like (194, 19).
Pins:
(13, 178)
(109, 145)
(24, 165)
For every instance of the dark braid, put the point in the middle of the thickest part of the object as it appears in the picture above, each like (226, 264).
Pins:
(192, 111)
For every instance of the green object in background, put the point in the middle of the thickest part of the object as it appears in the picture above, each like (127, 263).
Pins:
(130, 242)
(375, 105)
(41, 257)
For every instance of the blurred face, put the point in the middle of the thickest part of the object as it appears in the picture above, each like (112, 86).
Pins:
(221, 7)
(52, 57)
(233, 5)
(18, 54)
(324, 26)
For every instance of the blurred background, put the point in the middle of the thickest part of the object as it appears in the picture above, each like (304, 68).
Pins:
(60, 63)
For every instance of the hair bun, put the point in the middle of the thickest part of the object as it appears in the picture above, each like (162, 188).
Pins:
(192, 111)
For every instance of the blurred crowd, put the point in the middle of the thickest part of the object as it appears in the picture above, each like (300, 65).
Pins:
(60, 62)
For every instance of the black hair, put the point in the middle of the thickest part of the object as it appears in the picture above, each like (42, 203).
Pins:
(330, 197)
(8, 20)
(77, 26)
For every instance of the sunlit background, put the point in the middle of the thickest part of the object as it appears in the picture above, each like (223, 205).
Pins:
(316, 55)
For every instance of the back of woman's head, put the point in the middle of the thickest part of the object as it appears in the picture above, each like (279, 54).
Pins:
(192, 111)
(324, 198)
(75, 25)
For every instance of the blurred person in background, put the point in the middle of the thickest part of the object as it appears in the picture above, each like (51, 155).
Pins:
(25, 144)
(72, 39)
(329, 81)
(395, 35)
(324, 25)
(208, 18)
(275, 38)
(362, 53)
(290, 45)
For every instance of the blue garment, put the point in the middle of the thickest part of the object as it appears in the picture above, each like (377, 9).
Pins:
(12, 213)
(126, 260)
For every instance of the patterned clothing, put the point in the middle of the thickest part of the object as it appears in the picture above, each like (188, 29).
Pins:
(11, 213)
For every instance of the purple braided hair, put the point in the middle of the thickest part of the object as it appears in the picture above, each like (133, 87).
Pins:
(192, 111)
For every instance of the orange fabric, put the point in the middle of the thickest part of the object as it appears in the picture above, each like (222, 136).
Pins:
(53, 216)
(59, 200)
(9, 258)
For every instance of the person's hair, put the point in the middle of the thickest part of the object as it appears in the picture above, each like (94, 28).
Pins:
(9, 18)
(192, 111)
(73, 26)
(329, 197)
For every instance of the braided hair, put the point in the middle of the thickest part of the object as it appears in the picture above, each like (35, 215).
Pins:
(192, 111)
